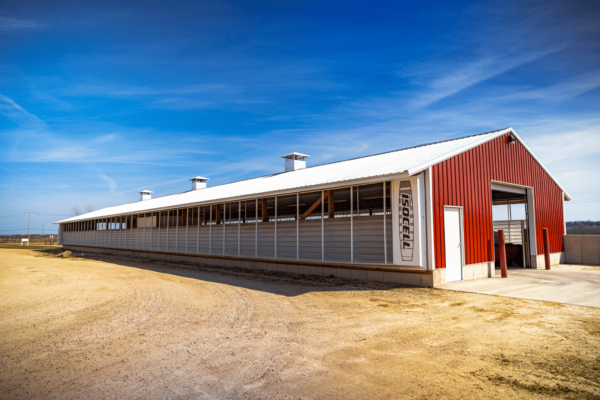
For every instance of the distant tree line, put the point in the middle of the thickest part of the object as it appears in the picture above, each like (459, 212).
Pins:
(583, 228)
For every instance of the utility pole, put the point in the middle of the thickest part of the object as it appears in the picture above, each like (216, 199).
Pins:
(28, 228)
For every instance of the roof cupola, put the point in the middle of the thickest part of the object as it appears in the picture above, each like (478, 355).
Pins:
(295, 161)
(145, 195)
(199, 182)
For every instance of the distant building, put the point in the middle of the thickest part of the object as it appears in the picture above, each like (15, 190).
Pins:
(424, 215)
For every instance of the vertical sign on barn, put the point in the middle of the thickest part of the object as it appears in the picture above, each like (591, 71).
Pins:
(408, 219)
(406, 222)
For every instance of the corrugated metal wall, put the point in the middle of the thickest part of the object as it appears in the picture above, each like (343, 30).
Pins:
(464, 180)
(286, 240)
(513, 231)
(336, 240)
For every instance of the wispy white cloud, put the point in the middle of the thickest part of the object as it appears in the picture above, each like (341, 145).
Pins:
(16, 172)
(103, 139)
(10, 24)
(13, 111)
(181, 90)
(572, 87)
(461, 77)
(560, 142)
(112, 184)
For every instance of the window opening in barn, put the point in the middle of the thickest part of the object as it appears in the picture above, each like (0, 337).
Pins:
(217, 214)
(193, 217)
(232, 213)
(172, 218)
(203, 215)
(183, 217)
(160, 219)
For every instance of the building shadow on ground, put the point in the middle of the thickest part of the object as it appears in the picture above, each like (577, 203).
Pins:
(279, 283)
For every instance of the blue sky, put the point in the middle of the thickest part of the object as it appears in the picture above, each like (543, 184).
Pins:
(99, 100)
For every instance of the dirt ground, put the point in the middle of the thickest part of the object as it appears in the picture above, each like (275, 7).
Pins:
(116, 328)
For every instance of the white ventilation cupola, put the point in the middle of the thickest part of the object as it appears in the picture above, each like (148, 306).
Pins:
(145, 195)
(295, 161)
(198, 182)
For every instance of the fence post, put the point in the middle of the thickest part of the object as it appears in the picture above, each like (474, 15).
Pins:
(546, 248)
(502, 253)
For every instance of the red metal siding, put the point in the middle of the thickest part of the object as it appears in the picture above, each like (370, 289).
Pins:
(465, 180)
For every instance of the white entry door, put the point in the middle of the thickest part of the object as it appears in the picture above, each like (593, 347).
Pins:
(453, 240)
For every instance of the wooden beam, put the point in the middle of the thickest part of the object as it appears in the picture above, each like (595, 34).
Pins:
(331, 206)
(315, 205)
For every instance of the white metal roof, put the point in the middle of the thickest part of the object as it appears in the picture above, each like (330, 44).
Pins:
(390, 165)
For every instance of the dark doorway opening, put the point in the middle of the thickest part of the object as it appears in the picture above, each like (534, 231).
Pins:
(511, 214)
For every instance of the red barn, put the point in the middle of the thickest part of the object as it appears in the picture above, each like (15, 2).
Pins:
(425, 215)
(500, 172)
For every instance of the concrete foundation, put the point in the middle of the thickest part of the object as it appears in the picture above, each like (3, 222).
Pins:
(478, 271)
(538, 262)
(372, 273)
(582, 249)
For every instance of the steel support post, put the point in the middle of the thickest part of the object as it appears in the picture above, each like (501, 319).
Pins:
(502, 251)
(546, 248)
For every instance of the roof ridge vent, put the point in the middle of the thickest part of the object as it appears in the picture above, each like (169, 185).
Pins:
(295, 161)
(145, 195)
(199, 182)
